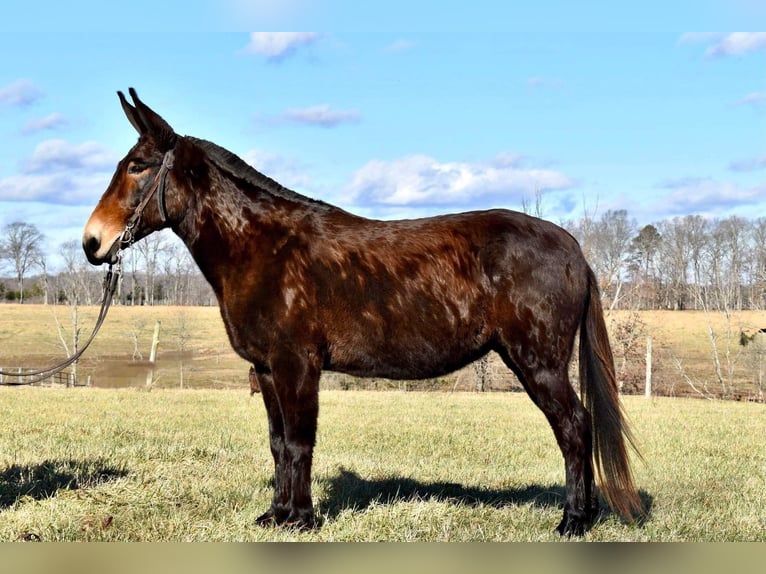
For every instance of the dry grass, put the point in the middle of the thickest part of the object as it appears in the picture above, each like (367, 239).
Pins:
(29, 337)
(94, 464)
(683, 354)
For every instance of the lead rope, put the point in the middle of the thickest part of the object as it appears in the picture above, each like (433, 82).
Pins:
(125, 240)
(38, 375)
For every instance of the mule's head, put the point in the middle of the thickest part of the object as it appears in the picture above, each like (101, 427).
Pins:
(137, 175)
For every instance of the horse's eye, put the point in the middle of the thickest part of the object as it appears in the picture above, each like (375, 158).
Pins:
(136, 167)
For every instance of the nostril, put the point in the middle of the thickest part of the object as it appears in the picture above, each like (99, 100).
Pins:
(92, 245)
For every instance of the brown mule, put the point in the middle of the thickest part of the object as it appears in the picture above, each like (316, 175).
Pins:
(305, 286)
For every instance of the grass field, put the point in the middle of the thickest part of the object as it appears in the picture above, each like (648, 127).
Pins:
(168, 465)
(193, 341)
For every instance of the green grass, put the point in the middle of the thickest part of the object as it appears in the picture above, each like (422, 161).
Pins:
(96, 464)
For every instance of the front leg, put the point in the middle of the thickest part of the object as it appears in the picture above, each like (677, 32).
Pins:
(294, 389)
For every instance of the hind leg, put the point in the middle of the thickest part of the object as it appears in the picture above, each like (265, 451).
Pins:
(280, 504)
(550, 390)
(571, 426)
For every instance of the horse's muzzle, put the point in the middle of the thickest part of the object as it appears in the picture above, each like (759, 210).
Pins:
(97, 253)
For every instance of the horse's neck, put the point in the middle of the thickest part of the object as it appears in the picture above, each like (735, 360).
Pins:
(230, 230)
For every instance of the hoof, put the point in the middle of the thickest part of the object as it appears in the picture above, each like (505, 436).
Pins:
(573, 526)
(301, 521)
(272, 517)
(292, 520)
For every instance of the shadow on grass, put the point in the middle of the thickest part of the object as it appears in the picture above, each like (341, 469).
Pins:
(43, 480)
(347, 490)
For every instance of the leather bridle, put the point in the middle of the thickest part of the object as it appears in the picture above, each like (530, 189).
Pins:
(158, 186)
(112, 276)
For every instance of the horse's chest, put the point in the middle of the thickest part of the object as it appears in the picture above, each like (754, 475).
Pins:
(249, 329)
(257, 324)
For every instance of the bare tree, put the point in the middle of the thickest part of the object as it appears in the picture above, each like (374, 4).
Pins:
(643, 253)
(725, 263)
(538, 208)
(681, 261)
(627, 334)
(74, 280)
(719, 290)
(151, 248)
(481, 373)
(609, 248)
(22, 245)
(43, 264)
(758, 264)
(697, 231)
(179, 269)
(131, 262)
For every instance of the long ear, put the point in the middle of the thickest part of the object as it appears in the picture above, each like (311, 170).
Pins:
(150, 120)
(130, 112)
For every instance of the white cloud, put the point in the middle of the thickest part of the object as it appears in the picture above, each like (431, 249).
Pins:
(286, 171)
(50, 122)
(754, 99)
(55, 188)
(61, 173)
(278, 45)
(57, 155)
(707, 196)
(322, 115)
(20, 93)
(737, 43)
(421, 180)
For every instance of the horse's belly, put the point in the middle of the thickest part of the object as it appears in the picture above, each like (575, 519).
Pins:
(406, 355)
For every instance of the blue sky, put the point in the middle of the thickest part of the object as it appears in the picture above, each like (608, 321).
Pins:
(470, 112)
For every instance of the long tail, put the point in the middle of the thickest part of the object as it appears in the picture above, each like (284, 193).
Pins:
(599, 394)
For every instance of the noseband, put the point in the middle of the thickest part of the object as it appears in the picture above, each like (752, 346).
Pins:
(158, 186)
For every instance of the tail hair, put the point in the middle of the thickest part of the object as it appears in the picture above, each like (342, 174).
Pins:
(611, 432)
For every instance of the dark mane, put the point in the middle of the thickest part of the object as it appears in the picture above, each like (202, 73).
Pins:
(234, 165)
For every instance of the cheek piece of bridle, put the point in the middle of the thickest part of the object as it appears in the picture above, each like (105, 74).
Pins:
(111, 279)
(158, 186)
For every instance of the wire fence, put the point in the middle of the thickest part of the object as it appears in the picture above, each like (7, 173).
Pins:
(65, 378)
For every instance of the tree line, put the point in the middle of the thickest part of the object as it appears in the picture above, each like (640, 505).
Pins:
(156, 271)
(688, 262)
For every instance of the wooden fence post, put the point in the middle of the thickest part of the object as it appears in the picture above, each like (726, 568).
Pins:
(153, 354)
(648, 387)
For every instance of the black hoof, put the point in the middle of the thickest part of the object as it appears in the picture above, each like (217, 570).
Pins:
(272, 517)
(573, 526)
(301, 521)
(293, 520)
